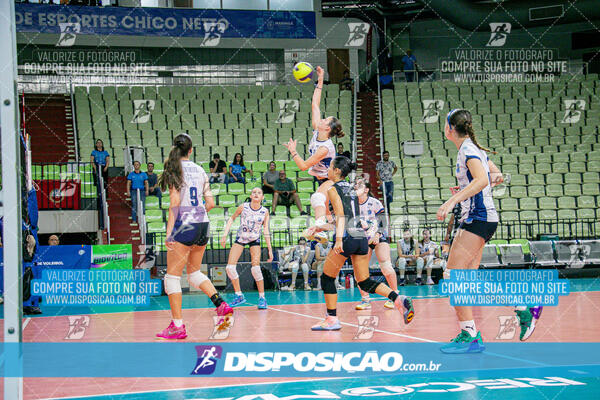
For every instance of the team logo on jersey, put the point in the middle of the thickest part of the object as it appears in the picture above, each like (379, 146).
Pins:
(142, 111)
(366, 327)
(207, 359)
(500, 31)
(77, 326)
(508, 327)
(358, 33)
(213, 30)
(573, 111)
(431, 111)
(287, 111)
(68, 33)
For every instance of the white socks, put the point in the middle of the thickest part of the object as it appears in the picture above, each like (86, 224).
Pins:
(178, 322)
(469, 326)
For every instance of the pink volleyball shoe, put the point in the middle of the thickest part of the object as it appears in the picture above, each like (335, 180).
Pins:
(224, 311)
(172, 332)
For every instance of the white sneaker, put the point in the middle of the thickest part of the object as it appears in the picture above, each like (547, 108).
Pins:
(307, 287)
(430, 281)
(285, 288)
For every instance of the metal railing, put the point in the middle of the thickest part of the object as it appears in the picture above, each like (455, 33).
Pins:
(141, 216)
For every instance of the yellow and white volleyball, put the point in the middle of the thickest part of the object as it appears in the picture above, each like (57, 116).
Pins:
(303, 72)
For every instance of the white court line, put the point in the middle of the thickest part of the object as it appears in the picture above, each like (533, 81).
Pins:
(356, 326)
(197, 388)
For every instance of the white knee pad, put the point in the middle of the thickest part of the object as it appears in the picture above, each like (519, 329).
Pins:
(295, 267)
(317, 200)
(429, 261)
(402, 263)
(256, 273)
(197, 278)
(386, 268)
(446, 274)
(172, 284)
(305, 269)
(232, 272)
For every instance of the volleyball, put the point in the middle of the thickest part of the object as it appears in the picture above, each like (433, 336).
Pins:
(303, 72)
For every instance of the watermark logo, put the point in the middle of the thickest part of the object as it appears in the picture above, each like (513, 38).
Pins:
(508, 327)
(207, 359)
(358, 33)
(501, 189)
(213, 30)
(366, 327)
(77, 326)
(287, 111)
(147, 258)
(142, 110)
(221, 328)
(579, 254)
(500, 31)
(573, 111)
(431, 111)
(68, 33)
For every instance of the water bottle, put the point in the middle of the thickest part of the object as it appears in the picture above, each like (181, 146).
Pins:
(348, 281)
(351, 282)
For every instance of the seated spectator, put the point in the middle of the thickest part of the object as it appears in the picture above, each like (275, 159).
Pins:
(321, 251)
(137, 180)
(237, 170)
(347, 83)
(298, 260)
(153, 189)
(407, 255)
(341, 152)
(428, 251)
(218, 169)
(269, 178)
(53, 240)
(285, 193)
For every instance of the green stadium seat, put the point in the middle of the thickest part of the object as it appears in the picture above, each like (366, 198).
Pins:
(156, 227)
(518, 191)
(574, 190)
(236, 188)
(152, 203)
(566, 202)
(536, 191)
(554, 190)
(528, 215)
(306, 187)
(547, 214)
(509, 204)
(590, 189)
(226, 201)
(528, 204)
(154, 216)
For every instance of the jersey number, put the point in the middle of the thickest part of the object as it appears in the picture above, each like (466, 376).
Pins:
(194, 196)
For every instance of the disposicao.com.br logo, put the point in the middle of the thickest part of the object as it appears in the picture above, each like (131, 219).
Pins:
(369, 361)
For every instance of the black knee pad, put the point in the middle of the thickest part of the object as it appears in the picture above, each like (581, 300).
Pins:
(368, 285)
(328, 284)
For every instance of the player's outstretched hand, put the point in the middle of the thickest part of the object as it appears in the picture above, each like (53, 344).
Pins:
(223, 241)
(445, 209)
(270, 256)
(320, 72)
(291, 145)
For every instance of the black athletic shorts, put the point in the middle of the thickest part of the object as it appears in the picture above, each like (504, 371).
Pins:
(382, 239)
(482, 229)
(357, 246)
(250, 244)
(191, 234)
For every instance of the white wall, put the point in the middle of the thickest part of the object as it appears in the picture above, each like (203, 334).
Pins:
(71, 221)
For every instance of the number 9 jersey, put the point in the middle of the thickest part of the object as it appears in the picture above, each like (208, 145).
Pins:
(191, 208)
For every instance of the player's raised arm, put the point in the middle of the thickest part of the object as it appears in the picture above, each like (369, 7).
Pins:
(316, 100)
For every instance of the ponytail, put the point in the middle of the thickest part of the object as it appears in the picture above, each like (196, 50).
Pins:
(335, 127)
(172, 177)
(344, 165)
(462, 122)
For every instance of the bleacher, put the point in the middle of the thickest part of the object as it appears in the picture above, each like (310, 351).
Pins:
(224, 120)
(553, 167)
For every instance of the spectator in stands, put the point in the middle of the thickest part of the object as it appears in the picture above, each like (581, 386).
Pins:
(409, 66)
(218, 169)
(269, 178)
(53, 240)
(347, 83)
(385, 170)
(428, 251)
(237, 170)
(407, 255)
(153, 189)
(341, 152)
(137, 181)
(100, 160)
(285, 193)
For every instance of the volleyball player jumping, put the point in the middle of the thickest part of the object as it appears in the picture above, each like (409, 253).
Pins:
(350, 242)
(373, 213)
(255, 218)
(187, 233)
(476, 176)
(322, 152)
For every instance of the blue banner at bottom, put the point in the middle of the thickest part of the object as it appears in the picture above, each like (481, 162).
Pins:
(279, 359)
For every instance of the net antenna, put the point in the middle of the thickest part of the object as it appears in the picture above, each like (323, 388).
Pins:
(12, 173)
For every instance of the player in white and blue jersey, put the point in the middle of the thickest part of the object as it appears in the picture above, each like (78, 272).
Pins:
(187, 233)
(372, 214)
(254, 221)
(476, 176)
(322, 153)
